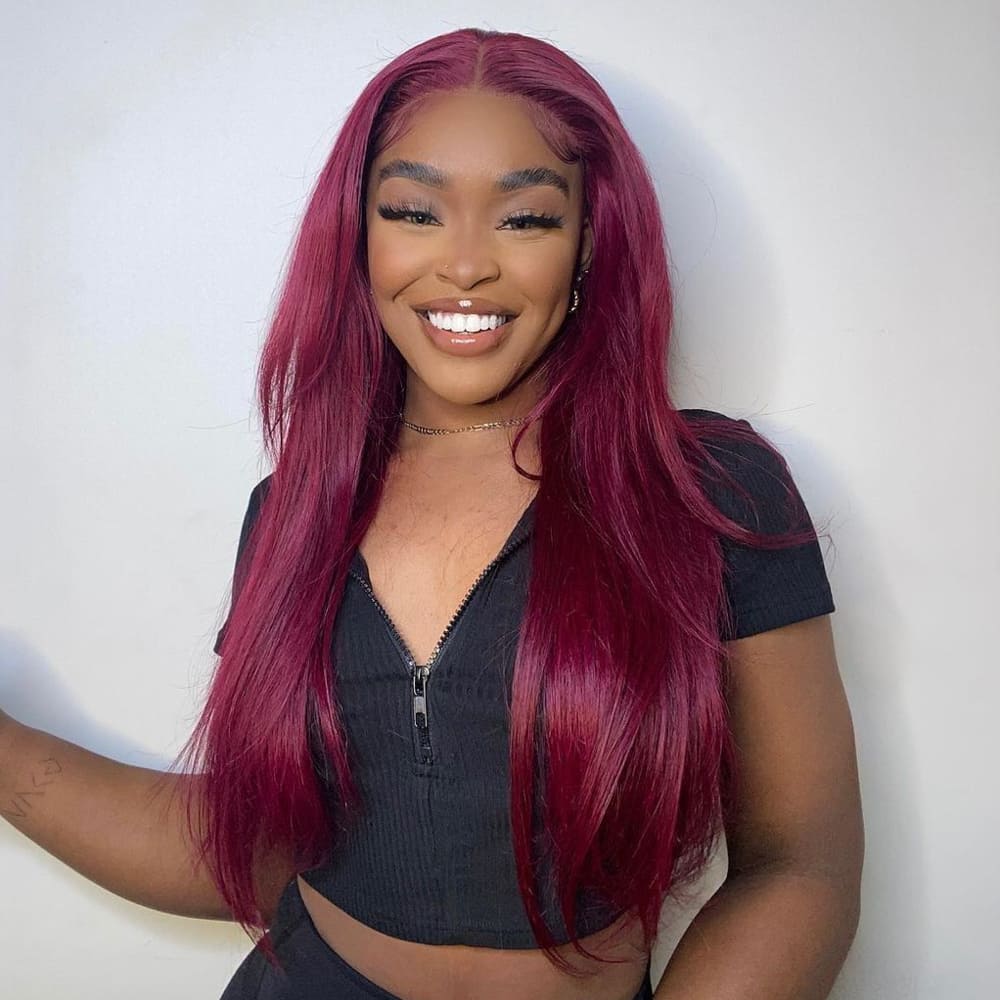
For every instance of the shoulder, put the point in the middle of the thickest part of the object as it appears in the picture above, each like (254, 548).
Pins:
(755, 486)
(733, 436)
(724, 433)
(257, 495)
(261, 489)
(766, 588)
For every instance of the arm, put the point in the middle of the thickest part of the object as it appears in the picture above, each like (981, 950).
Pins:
(781, 924)
(118, 825)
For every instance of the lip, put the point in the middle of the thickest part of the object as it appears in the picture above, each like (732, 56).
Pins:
(465, 345)
(478, 307)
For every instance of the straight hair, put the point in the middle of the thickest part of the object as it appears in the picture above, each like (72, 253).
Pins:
(618, 729)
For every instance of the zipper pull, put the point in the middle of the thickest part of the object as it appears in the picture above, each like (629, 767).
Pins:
(420, 721)
(420, 697)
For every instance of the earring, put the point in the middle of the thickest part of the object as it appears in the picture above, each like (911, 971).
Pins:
(576, 291)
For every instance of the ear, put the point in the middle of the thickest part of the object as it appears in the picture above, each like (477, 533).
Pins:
(586, 246)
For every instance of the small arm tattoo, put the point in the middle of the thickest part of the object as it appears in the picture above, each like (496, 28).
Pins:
(44, 773)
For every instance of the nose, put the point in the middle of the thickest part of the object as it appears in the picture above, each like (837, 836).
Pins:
(468, 258)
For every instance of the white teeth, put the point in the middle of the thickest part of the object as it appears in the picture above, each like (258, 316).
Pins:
(463, 323)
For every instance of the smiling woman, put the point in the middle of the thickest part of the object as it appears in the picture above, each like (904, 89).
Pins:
(507, 214)
(512, 639)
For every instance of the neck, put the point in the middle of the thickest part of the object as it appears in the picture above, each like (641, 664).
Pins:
(443, 414)
(428, 410)
(469, 446)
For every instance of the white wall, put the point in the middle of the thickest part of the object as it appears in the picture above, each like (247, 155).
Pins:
(828, 176)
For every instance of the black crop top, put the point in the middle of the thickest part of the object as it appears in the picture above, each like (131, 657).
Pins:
(430, 859)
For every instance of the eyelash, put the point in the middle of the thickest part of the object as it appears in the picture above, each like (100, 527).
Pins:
(536, 220)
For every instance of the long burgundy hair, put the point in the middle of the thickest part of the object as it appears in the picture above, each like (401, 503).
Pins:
(638, 761)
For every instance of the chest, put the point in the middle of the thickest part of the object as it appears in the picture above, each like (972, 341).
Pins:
(430, 545)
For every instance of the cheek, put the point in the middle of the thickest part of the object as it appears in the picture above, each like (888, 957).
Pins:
(389, 264)
(543, 281)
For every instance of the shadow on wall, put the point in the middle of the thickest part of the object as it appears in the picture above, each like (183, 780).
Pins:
(33, 693)
(730, 309)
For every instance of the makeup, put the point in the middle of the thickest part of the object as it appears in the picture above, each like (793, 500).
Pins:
(465, 345)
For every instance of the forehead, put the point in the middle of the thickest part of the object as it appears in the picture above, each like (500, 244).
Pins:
(470, 140)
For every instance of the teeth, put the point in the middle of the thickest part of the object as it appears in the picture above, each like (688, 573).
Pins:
(465, 323)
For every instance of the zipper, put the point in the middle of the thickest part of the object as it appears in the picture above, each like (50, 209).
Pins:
(420, 674)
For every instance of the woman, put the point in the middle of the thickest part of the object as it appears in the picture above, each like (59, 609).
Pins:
(512, 640)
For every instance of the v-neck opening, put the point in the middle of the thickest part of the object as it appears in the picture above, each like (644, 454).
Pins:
(359, 566)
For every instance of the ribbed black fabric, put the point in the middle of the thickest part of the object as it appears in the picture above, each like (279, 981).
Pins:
(431, 858)
(765, 588)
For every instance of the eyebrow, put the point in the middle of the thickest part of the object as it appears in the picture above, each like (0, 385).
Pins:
(514, 180)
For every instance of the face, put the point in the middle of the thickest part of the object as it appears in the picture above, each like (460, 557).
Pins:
(479, 247)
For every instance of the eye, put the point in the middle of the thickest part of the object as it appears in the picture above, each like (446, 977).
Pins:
(394, 212)
(531, 220)
(519, 223)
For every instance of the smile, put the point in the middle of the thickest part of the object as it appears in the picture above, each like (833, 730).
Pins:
(464, 322)
(466, 343)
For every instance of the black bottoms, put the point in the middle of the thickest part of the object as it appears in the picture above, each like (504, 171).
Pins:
(313, 970)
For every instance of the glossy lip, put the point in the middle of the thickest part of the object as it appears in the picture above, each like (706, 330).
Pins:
(478, 307)
(464, 345)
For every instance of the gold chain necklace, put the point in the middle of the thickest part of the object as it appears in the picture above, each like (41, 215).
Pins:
(457, 430)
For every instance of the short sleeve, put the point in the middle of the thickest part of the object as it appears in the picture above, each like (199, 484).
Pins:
(766, 588)
(249, 518)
